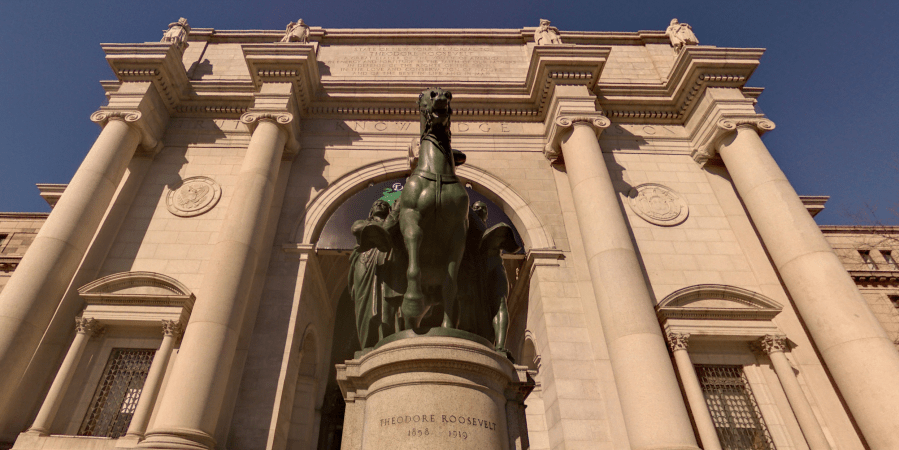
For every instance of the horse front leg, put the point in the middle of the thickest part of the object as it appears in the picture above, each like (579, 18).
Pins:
(451, 283)
(413, 307)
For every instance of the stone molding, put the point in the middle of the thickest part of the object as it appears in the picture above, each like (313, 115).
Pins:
(289, 62)
(149, 141)
(88, 326)
(563, 123)
(675, 99)
(138, 288)
(706, 146)
(285, 120)
(678, 341)
(157, 62)
(772, 343)
(747, 305)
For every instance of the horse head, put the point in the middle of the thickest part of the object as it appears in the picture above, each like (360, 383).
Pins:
(434, 104)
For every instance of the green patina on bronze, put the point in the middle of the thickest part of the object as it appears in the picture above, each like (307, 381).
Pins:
(419, 265)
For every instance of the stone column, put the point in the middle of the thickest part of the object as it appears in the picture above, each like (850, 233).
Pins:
(30, 298)
(85, 328)
(654, 410)
(696, 399)
(859, 355)
(775, 346)
(171, 330)
(189, 409)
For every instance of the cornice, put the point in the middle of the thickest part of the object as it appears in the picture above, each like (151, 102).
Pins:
(332, 36)
(293, 63)
(696, 69)
(549, 66)
(156, 62)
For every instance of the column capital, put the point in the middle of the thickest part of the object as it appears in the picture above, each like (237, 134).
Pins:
(88, 326)
(678, 341)
(725, 125)
(564, 123)
(285, 120)
(773, 343)
(172, 328)
(149, 141)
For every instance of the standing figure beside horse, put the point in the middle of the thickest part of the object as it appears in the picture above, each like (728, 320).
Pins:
(433, 215)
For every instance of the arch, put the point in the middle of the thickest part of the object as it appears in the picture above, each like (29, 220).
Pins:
(717, 301)
(309, 226)
(529, 355)
(303, 431)
(136, 285)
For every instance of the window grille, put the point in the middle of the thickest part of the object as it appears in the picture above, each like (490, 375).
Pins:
(888, 257)
(868, 260)
(734, 410)
(116, 398)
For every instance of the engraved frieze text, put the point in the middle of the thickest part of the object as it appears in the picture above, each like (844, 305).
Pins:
(426, 60)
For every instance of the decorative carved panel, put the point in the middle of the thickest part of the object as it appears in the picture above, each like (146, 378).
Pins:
(193, 196)
(658, 204)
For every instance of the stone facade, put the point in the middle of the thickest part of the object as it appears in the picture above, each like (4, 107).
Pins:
(662, 244)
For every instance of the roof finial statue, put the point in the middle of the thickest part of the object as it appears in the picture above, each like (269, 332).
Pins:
(296, 32)
(177, 34)
(546, 34)
(681, 35)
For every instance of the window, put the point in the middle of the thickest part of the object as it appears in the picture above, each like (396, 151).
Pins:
(895, 300)
(888, 257)
(866, 257)
(734, 410)
(116, 397)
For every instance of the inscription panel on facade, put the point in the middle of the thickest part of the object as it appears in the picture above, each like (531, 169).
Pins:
(432, 429)
(484, 62)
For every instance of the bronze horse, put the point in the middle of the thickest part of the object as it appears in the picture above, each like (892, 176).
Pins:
(433, 216)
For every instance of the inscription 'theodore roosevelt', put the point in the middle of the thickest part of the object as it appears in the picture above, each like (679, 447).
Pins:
(438, 418)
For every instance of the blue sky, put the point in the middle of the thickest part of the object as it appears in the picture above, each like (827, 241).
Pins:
(831, 74)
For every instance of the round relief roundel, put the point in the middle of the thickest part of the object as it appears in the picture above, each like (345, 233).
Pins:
(658, 204)
(193, 196)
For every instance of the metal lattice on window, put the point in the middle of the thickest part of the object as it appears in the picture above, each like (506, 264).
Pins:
(734, 410)
(116, 398)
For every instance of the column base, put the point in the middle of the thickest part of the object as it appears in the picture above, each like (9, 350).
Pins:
(434, 392)
(177, 439)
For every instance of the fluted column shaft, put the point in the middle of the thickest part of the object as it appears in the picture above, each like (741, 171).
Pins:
(144, 409)
(696, 399)
(29, 299)
(654, 410)
(775, 346)
(85, 328)
(858, 353)
(196, 388)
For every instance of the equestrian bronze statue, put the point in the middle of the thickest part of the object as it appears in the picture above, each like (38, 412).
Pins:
(433, 215)
(418, 264)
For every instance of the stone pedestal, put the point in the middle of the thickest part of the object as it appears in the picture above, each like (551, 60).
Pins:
(434, 392)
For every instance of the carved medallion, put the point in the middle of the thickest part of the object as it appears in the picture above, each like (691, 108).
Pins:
(193, 196)
(657, 204)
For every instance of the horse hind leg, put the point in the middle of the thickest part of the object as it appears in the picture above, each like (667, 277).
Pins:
(451, 283)
(413, 307)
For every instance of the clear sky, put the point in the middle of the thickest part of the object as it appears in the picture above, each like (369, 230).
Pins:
(831, 74)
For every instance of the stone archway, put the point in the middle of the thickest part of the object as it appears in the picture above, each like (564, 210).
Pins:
(309, 226)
